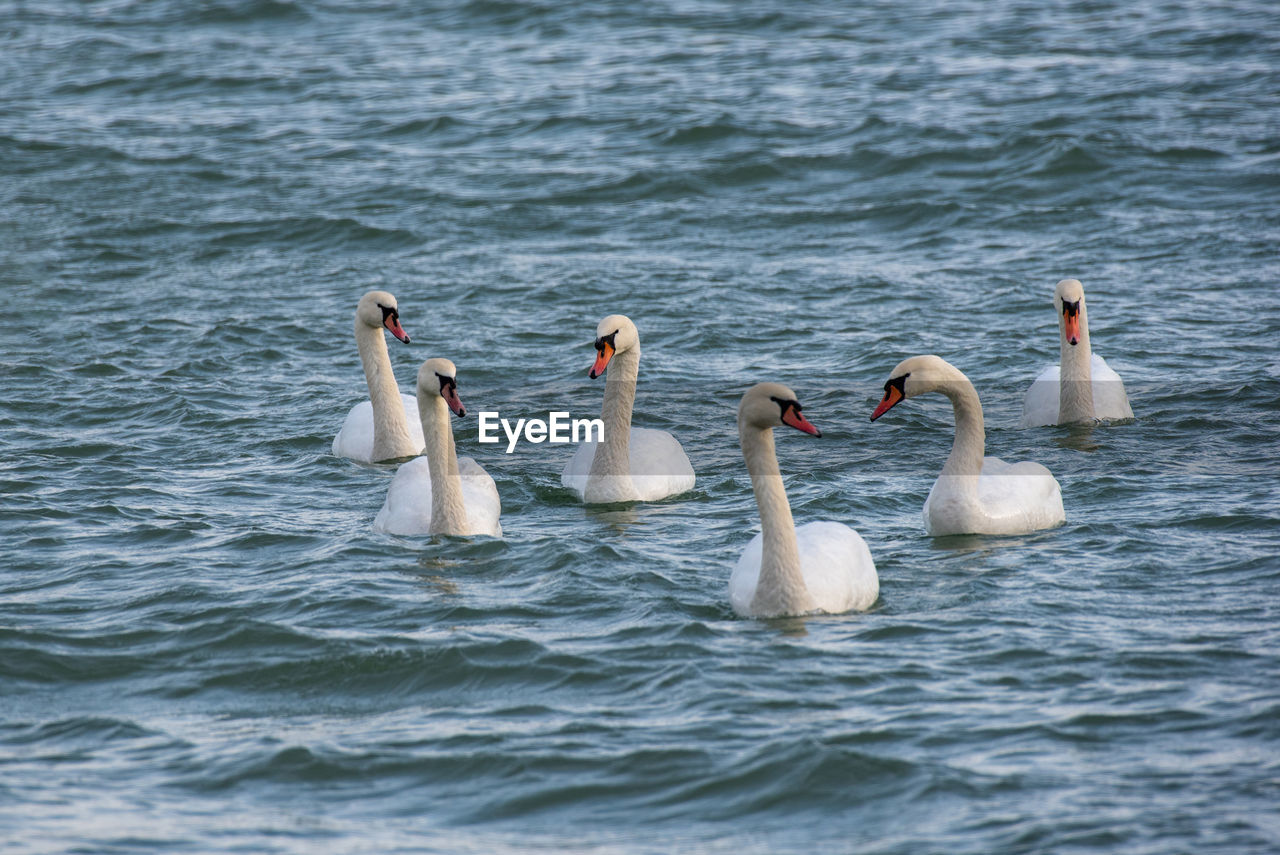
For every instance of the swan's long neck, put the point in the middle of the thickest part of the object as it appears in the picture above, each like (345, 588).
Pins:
(613, 455)
(780, 588)
(1075, 374)
(390, 430)
(970, 442)
(448, 513)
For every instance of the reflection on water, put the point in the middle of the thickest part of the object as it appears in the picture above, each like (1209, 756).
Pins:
(962, 543)
(789, 627)
(441, 584)
(1079, 437)
(618, 518)
(992, 544)
(433, 570)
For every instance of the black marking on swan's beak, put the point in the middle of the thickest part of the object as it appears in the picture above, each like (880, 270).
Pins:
(605, 349)
(894, 393)
(792, 418)
(391, 320)
(449, 391)
(1071, 322)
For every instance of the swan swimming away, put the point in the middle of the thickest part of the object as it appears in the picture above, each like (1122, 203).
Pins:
(1080, 388)
(819, 567)
(385, 427)
(973, 494)
(630, 464)
(439, 493)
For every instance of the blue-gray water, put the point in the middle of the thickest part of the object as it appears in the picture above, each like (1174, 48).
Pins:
(205, 648)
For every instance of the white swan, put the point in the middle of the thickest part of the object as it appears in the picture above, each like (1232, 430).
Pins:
(1081, 387)
(819, 567)
(631, 464)
(438, 493)
(974, 494)
(386, 426)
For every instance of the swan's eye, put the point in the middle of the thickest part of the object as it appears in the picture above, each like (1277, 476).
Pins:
(388, 312)
(897, 383)
(447, 382)
(606, 340)
(1070, 309)
(785, 405)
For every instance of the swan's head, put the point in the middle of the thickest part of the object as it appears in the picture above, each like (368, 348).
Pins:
(770, 405)
(378, 309)
(915, 376)
(614, 334)
(1068, 299)
(439, 377)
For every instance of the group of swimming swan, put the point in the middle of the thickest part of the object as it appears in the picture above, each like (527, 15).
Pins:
(820, 567)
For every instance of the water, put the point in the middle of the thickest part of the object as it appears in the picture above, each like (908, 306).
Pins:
(205, 648)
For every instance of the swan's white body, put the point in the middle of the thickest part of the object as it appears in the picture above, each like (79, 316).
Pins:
(1043, 402)
(1081, 387)
(1003, 498)
(656, 468)
(974, 494)
(818, 567)
(386, 426)
(630, 464)
(836, 569)
(356, 438)
(440, 493)
(407, 508)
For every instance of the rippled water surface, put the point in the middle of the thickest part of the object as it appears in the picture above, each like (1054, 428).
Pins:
(204, 647)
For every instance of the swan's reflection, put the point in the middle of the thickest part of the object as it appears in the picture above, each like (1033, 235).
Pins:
(1079, 437)
(965, 544)
(789, 627)
(617, 518)
(984, 551)
(432, 570)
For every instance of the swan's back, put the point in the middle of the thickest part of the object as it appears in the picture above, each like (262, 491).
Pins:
(659, 466)
(1040, 405)
(1109, 398)
(835, 561)
(355, 438)
(480, 495)
(1012, 498)
(578, 468)
(407, 508)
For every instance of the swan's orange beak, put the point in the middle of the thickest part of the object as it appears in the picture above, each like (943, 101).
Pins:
(793, 418)
(450, 395)
(1071, 323)
(392, 323)
(892, 395)
(602, 359)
